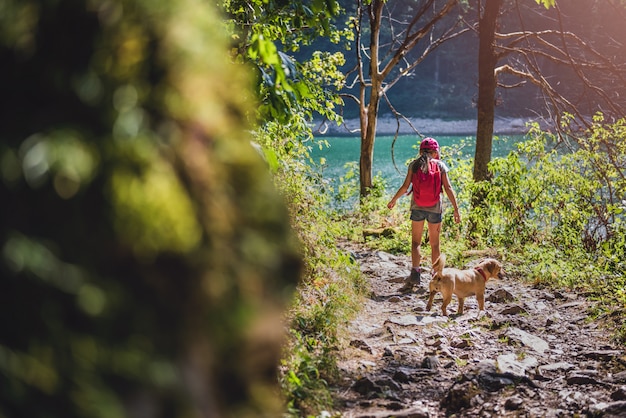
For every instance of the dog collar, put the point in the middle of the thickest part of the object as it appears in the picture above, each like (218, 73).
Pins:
(482, 273)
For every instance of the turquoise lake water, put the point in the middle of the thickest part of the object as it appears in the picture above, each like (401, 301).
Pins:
(344, 150)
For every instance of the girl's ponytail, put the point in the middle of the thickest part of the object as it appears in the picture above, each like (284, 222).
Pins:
(422, 162)
(427, 146)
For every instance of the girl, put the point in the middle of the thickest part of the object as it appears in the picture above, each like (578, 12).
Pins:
(428, 175)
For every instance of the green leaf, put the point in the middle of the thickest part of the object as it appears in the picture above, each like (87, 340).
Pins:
(272, 159)
(547, 3)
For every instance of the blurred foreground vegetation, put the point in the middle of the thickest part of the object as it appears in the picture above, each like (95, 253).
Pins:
(146, 259)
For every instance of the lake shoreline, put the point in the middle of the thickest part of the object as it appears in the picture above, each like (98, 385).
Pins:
(425, 127)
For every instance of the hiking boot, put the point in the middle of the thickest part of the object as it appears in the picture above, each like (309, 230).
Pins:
(415, 277)
(411, 281)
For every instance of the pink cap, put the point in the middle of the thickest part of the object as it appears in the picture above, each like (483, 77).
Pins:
(429, 143)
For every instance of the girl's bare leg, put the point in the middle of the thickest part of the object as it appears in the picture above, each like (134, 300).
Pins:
(434, 231)
(417, 227)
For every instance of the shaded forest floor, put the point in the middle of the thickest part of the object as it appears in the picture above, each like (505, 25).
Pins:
(532, 353)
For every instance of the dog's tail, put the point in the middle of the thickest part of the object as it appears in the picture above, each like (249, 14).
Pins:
(438, 266)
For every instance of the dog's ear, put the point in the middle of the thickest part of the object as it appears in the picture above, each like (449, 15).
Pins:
(501, 273)
(493, 267)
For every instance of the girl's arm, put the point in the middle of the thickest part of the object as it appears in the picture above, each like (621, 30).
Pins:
(402, 190)
(450, 193)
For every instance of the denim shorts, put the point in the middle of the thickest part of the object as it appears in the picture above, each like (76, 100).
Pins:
(420, 215)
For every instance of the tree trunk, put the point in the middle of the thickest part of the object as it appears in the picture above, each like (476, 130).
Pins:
(369, 112)
(487, 60)
(368, 137)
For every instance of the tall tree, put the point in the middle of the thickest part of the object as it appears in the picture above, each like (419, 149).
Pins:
(551, 48)
(487, 83)
(386, 41)
(533, 56)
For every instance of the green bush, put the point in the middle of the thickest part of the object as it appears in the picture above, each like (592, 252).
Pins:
(331, 286)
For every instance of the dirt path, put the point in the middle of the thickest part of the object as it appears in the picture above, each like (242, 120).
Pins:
(532, 353)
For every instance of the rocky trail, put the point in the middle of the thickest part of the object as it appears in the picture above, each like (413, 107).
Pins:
(531, 353)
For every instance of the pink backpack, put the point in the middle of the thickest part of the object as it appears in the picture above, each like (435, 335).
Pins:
(427, 186)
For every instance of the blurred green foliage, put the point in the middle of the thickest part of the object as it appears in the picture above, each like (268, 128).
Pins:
(332, 285)
(146, 257)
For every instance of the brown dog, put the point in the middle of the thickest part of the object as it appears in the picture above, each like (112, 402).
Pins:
(462, 283)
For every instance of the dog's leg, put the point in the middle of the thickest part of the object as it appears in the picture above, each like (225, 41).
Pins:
(461, 305)
(431, 297)
(444, 306)
(480, 297)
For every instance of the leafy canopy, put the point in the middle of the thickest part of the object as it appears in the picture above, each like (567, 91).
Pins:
(265, 32)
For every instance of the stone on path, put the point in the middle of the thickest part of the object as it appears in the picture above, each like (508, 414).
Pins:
(529, 340)
(509, 363)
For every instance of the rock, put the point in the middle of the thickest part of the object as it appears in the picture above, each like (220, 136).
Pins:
(535, 306)
(601, 355)
(488, 377)
(562, 366)
(609, 409)
(582, 377)
(514, 403)
(529, 340)
(361, 345)
(460, 343)
(411, 413)
(385, 256)
(500, 296)
(574, 400)
(509, 363)
(619, 394)
(394, 406)
(513, 310)
(459, 397)
(367, 365)
(484, 366)
(493, 382)
(431, 362)
(386, 266)
(401, 376)
(619, 377)
(404, 320)
(553, 319)
(365, 386)
(428, 320)
(406, 375)
(420, 306)
(434, 343)
(576, 304)
(564, 295)
(387, 383)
